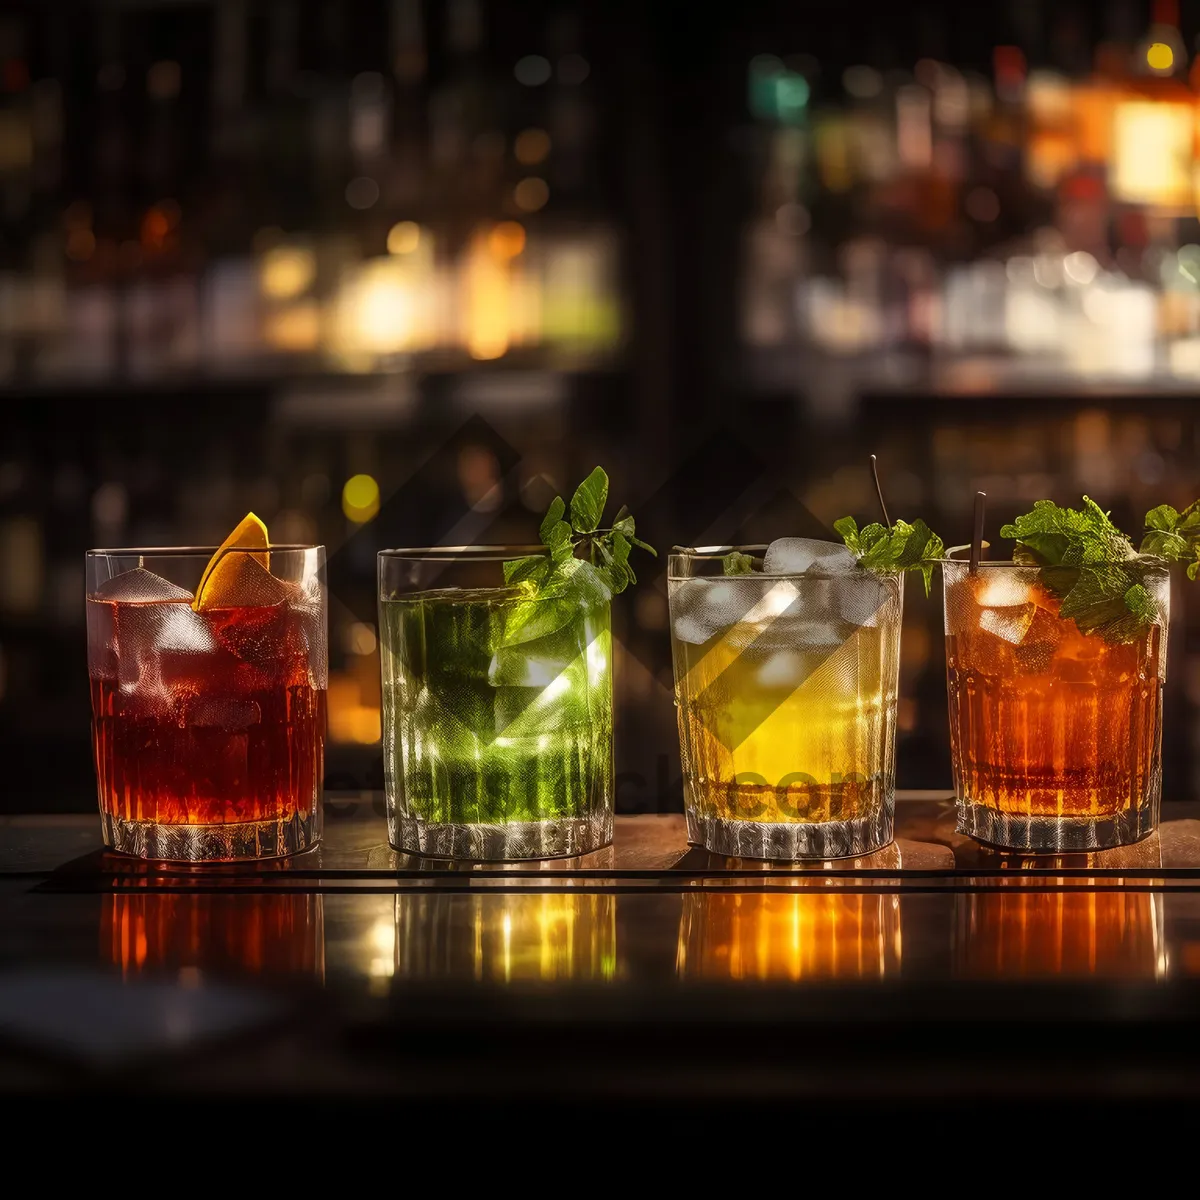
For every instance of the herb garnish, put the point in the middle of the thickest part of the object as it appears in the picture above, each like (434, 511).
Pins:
(574, 538)
(903, 547)
(1174, 536)
(1092, 567)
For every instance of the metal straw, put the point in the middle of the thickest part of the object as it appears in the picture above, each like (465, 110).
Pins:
(879, 491)
(977, 542)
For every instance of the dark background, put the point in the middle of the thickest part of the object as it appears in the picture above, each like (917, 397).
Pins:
(249, 251)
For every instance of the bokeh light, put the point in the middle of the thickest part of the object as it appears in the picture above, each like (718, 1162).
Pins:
(531, 194)
(403, 237)
(507, 239)
(287, 271)
(532, 70)
(360, 498)
(532, 146)
(1160, 56)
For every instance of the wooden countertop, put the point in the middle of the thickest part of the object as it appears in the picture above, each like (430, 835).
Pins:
(647, 971)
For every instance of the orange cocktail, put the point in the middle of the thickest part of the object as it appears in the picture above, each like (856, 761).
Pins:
(1054, 733)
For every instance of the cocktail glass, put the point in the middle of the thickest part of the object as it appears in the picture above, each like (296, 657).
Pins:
(786, 688)
(1054, 733)
(497, 707)
(208, 726)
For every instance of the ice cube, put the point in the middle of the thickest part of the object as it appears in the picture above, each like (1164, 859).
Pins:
(179, 629)
(1042, 639)
(1002, 589)
(703, 608)
(794, 556)
(1010, 623)
(863, 598)
(139, 586)
(519, 666)
(783, 668)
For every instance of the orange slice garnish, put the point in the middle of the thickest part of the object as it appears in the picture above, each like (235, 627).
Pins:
(228, 571)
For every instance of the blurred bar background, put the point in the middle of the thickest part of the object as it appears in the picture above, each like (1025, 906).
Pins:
(395, 272)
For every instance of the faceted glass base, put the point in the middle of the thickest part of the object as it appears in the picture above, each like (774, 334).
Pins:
(792, 841)
(1011, 831)
(564, 837)
(234, 842)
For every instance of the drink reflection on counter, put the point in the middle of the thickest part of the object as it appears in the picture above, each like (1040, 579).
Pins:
(244, 934)
(807, 935)
(507, 938)
(1015, 933)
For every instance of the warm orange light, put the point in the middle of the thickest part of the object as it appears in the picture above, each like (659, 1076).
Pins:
(1152, 153)
(403, 237)
(287, 271)
(808, 935)
(488, 295)
(294, 329)
(532, 146)
(350, 719)
(507, 239)
(155, 227)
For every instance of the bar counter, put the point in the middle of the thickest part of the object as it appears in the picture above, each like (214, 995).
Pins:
(931, 972)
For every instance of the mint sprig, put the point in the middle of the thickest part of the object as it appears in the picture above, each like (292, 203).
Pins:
(1174, 535)
(1091, 566)
(903, 547)
(1073, 537)
(577, 534)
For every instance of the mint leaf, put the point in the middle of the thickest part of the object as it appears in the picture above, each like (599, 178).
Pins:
(737, 563)
(587, 505)
(569, 544)
(1091, 566)
(533, 569)
(848, 528)
(554, 530)
(614, 557)
(627, 527)
(903, 547)
(1163, 517)
(1073, 537)
(1174, 536)
(1105, 602)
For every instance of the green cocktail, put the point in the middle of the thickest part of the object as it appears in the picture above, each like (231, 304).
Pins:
(497, 687)
(498, 719)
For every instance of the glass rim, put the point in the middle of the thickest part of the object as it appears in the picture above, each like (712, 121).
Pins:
(1150, 562)
(197, 551)
(716, 553)
(443, 554)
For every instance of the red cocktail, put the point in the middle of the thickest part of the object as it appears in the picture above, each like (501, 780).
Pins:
(208, 711)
